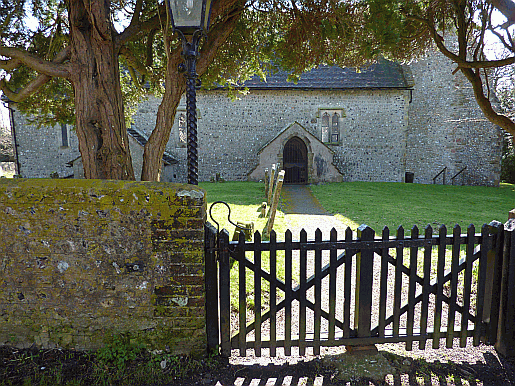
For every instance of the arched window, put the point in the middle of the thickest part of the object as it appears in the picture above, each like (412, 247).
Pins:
(330, 121)
(325, 127)
(183, 132)
(335, 128)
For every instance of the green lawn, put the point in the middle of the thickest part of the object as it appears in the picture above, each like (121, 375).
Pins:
(376, 204)
(244, 198)
(380, 204)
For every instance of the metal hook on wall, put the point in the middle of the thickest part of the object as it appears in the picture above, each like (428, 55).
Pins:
(228, 217)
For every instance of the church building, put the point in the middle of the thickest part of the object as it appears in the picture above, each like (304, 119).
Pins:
(382, 123)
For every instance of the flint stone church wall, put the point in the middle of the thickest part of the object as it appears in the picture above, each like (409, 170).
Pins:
(448, 129)
(431, 122)
(231, 133)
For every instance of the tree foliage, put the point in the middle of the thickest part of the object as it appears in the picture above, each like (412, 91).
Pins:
(59, 67)
(462, 30)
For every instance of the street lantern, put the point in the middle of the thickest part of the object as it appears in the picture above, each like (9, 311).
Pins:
(189, 16)
(190, 19)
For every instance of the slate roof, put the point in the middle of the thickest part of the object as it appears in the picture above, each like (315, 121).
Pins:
(384, 74)
(167, 157)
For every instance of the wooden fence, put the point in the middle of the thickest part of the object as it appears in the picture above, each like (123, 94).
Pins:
(362, 289)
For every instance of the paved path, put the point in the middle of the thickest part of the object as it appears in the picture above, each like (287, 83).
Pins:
(302, 210)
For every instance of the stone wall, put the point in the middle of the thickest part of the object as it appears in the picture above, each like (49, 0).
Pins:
(40, 149)
(232, 132)
(447, 128)
(82, 259)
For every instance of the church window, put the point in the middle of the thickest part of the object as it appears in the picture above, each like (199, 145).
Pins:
(64, 135)
(330, 125)
(335, 128)
(183, 132)
(325, 127)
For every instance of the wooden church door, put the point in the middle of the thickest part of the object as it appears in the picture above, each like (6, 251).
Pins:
(295, 160)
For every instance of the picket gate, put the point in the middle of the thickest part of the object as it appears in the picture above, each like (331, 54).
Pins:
(359, 289)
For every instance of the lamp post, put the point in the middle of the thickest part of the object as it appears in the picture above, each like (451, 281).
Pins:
(190, 19)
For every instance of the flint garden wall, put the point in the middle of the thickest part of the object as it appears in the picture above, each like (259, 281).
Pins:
(83, 259)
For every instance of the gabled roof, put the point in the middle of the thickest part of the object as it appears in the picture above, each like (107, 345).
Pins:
(383, 74)
(303, 129)
(167, 157)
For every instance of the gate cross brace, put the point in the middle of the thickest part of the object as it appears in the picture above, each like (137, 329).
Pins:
(311, 281)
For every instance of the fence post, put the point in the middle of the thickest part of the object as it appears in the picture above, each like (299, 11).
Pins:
(225, 294)
(364, 280)
(273, 206)
(493, 281)
(211, 283)
(505, 344)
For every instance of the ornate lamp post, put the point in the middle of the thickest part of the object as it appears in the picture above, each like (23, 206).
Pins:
(190, 19)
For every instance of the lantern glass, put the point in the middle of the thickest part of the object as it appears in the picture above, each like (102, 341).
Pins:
(190, 15)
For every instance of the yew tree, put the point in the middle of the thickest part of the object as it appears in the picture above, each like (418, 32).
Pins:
(86, 62)
(462, 30)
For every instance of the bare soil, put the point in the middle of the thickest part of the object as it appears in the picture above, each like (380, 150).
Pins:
(385, 368)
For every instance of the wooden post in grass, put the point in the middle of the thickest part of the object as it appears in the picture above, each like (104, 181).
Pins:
(273, 207)
(267, 183)
(271, 184)
(262, 210)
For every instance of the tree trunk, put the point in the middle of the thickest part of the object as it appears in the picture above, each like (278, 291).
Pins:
(175, 86)
(100, 119)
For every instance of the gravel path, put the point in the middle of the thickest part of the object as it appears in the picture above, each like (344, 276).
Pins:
(302, 210)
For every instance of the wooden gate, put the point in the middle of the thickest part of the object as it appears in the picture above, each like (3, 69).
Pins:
(355, 290)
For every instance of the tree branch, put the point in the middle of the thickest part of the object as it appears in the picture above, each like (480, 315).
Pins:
(137, 12)
(9, 65)
(484, 103)
(53, 69)
(155, 22)
(218, 35)
(33, 86)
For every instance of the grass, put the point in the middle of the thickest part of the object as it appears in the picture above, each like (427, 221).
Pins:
(376, 204)
(380, 204)
(244, 199)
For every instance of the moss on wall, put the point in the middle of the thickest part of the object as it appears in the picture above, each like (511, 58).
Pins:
(84, 258)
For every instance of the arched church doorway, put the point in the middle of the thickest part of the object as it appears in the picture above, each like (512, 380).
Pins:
(295, 161)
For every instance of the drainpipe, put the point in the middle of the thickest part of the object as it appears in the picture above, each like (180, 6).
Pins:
(15, 142)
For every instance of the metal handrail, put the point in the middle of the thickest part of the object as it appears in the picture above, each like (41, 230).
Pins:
(457, 174)
(438, 175)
